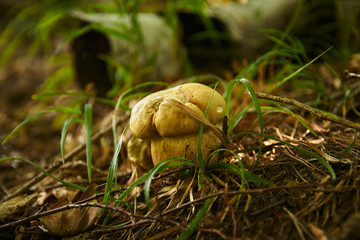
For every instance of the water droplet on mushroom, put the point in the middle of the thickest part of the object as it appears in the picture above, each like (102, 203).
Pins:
(219, 109)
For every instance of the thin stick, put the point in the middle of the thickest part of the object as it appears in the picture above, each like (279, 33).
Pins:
(83, 204)
(159, 217)
(88, 204)
(350, 75)
(320, 114)
(296, 223)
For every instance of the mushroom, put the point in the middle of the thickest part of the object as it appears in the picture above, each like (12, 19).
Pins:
(171, 120)
(140, 158)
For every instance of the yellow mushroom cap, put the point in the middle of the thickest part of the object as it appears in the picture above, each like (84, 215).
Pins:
(154, 116)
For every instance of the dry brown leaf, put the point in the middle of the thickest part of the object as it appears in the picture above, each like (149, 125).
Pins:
(72, 221)
(16, 205)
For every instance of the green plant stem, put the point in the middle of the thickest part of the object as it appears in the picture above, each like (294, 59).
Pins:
(317, 112)
(88, 133)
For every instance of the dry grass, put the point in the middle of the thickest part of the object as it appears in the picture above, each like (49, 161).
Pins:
(303, 203)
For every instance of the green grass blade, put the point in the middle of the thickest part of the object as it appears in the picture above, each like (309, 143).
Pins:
(108, 101)
(351, 144)
(42, 32)
(255, 101)
(132, 186)
(249, 71)
(200, 155)
(45, 95)
(70, 36)
(235, 120)
(258, 111)
(122, 196)
(297, 71)
(239, 171)
(113, 167)
(111, 31)
(196, 221)
(88, 133)
(72, 185)
(135, 95)
(293, 50)
(28, 119)
(69, 110)
(148, 181)
(12, 46)
(299, 118)
(228, 96)
(63, 138)
(61, 78)
(166, 163)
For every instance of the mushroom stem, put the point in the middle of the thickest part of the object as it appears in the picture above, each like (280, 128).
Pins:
(184, 146)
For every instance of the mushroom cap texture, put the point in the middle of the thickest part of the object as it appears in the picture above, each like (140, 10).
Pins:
(154, 117)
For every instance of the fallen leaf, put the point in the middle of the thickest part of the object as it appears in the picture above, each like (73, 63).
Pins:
(72, 221)
(16, 205)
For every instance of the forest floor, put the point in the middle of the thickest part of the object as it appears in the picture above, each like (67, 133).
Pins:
(304, 202)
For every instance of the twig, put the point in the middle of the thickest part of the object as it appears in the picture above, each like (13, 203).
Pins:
(159, 217)
(58, 162)
(80, 205)
(350, 75)
(158, 177)
(121, 228)
(296, 223)
(176, 209)
(265, 209)
(87, 204)
(168, 173)
(320, 114)
(240, 192)
(143, 222)
(216, 231)
(255, 191)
